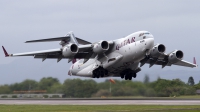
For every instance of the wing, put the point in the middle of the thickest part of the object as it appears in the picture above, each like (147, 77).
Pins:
(84, 50)
(185, 63)
(165, 62)
(157, 56)
(52, 53)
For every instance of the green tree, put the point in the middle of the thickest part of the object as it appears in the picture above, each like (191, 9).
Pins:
(25, 85)
(146, 79)
(191, 81)
(47, 83)
(56, 88)
(79, 88)
(4, 89)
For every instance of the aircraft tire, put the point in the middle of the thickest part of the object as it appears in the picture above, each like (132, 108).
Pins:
(102, 73)
(98, 73)
(122, 76)
(130, 78)
(126, 77)
(106, 72)
(134, 75)
(94, 74)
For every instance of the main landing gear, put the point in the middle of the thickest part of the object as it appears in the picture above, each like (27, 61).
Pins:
(128, 74)
(99, 72)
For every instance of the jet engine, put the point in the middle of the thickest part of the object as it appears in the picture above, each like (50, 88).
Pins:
(70, 50)
(175, 56)
(157, 50)
(101, 47)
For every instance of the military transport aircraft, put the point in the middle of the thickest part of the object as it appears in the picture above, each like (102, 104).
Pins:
(115, 58)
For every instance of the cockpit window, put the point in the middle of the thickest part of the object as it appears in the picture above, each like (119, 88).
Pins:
(141, 34)
(147, 33)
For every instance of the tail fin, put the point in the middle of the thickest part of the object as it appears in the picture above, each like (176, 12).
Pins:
(69, 38)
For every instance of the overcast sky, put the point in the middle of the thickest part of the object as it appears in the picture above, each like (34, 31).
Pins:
(174, 23)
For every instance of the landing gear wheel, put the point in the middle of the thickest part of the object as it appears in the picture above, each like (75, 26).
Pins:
(99, 72)
(94, 74)
(106, 72)
(130, 78)
(102, 74)
(134, 75)
(122, 76)
(126, 77)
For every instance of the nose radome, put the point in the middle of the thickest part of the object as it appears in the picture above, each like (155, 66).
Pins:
(149, 43)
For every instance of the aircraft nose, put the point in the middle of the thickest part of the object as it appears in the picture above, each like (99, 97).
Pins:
(149, 43)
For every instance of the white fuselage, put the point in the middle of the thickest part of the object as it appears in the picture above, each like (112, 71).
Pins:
(125, 53)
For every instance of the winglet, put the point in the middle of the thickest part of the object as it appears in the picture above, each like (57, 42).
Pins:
(194, 61)
(5, 52)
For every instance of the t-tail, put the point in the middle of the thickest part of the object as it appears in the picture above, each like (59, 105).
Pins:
(73, 38)
(65, 40)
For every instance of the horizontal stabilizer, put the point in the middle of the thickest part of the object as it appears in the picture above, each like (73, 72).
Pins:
(49, 39)
(67, 39)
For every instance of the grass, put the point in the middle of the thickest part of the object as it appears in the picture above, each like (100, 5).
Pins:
(190, 96)
(98, 108)
(177, 97)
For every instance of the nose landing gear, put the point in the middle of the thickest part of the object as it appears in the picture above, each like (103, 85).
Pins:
(99, 72)
(128, 74)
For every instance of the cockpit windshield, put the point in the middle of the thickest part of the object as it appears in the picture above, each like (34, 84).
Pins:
(145, 33)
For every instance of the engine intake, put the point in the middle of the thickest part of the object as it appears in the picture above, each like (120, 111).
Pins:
(101, 47)
(175, 56)
(70, 50)
(157, 50)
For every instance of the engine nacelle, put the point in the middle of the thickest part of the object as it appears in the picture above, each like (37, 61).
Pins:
(175, 56)
(70, 50)
(157, 50)
(101, 47)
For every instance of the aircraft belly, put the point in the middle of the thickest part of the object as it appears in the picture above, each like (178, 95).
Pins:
(86, 72)
(132, 54)
(78, 69)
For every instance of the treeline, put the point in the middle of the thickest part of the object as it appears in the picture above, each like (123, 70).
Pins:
(89, 88)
